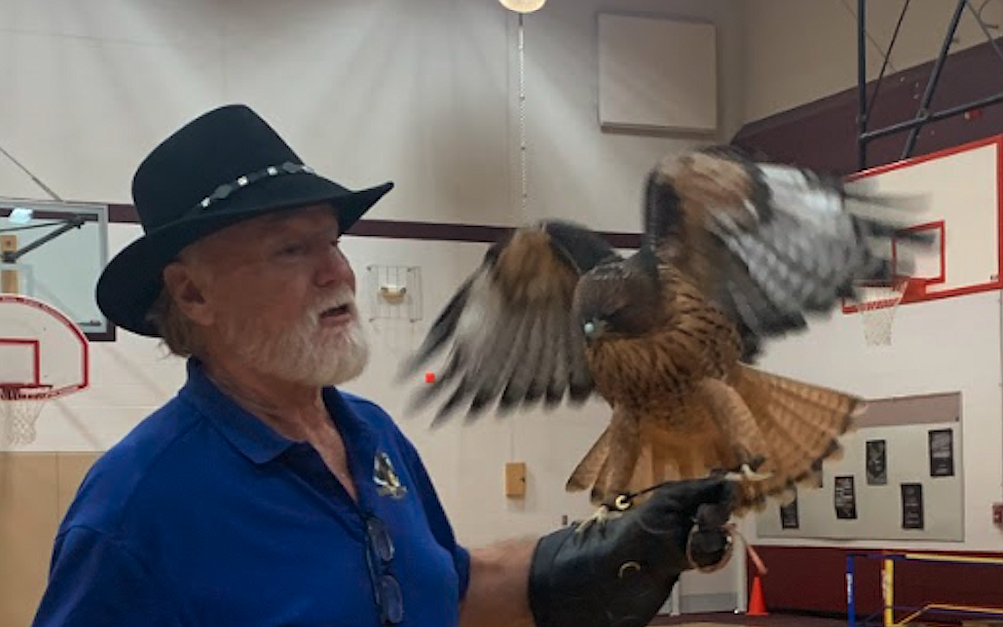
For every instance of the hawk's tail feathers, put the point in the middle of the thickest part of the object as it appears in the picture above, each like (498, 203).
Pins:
(801, 425)
(587, 471)
(609, 466)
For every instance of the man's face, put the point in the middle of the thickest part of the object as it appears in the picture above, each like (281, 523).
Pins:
(279, 294)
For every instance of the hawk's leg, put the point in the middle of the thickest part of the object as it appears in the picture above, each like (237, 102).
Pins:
(739, 428)
(605, 512)
(617, 469)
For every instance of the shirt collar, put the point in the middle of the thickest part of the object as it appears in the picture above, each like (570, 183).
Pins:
(259, 442)
(361, 438)
(255, 439)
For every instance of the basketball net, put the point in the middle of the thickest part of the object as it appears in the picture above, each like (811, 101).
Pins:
(19, 409)
(877, 310)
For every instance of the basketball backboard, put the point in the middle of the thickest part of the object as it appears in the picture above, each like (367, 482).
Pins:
(55, 251)
(43, 355)
(961, 211)
(40, 347)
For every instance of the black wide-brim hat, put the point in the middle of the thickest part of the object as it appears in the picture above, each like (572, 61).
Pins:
(224, 167)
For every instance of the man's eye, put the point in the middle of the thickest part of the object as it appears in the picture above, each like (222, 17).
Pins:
(291, 250)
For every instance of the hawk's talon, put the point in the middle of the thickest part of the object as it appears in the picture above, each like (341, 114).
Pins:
(746, 473)
(599, 518)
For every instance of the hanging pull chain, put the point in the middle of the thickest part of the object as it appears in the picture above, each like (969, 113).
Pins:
(523, 170)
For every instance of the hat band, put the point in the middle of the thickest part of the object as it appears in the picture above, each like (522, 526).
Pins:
(225, 190)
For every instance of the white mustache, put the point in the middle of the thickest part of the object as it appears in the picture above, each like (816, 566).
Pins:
(343, 298)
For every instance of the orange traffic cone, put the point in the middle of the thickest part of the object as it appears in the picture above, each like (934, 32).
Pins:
(757, 605)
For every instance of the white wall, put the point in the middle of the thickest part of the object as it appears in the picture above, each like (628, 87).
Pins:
(364, 91)
(422, 93)
(577, 172)
(950, 345)
(798, 51)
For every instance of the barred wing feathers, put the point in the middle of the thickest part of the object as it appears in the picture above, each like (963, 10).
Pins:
(770, 243)
(509, 330)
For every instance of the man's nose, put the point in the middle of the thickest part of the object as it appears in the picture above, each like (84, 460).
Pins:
(333, 267)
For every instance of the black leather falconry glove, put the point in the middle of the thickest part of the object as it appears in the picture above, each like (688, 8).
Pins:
(620, 572)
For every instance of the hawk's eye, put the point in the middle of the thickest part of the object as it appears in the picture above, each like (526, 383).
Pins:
(618, 319)
(629, 320)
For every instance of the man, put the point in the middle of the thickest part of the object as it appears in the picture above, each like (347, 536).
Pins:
(263, 495)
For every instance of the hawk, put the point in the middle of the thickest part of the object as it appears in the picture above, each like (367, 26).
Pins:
(734, 252)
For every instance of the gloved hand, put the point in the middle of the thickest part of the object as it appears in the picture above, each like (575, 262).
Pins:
(620, 572)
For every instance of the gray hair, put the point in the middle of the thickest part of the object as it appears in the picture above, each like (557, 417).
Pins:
(178, 332)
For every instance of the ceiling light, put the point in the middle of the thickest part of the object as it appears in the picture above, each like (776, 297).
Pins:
(523, 6)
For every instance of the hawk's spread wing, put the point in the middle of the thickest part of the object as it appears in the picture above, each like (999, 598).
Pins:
(508, 327)
(768, 243)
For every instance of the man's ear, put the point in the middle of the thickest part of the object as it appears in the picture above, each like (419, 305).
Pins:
(187, 293)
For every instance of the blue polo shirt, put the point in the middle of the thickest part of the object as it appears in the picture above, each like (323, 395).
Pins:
(204, 515)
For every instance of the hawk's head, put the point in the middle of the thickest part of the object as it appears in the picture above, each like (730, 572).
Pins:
(620, 299)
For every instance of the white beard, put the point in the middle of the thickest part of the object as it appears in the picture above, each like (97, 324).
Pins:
(299, 353)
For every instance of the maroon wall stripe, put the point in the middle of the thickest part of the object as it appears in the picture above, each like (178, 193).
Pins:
(813, 580)
(122, 214)
(823, 134)
(403, 229)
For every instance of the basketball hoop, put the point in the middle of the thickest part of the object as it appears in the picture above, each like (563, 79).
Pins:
(19, 409)
(877, 307)
(43, 355)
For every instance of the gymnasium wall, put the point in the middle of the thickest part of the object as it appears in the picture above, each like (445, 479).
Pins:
(945, 346)
(426, 94)
(802, 108)
(812, 580)
(801, 52)
(422, 93)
